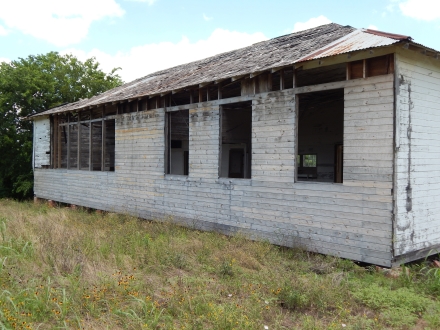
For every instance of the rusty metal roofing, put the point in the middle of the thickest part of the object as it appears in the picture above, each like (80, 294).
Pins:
(322, 41)
(356, 40)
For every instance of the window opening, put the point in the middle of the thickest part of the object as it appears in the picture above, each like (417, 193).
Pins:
(371, 67)
(307, 167)
(231, 89)
(276, 81)
(80, 142)
(177, 138)
(320, 130)
(236, 140)
(320, 75)
(180, 98)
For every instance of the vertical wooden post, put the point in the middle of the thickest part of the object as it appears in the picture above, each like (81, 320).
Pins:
(59, 143)
(103, 144)
(281, 79)
(90, 142)
(191, 97)
(167, 142)
(78, 149)
(200, 95)
(220, 116)
(294, 78)
(296, 137)
(219, 96)
(68, 140)
(53, 145)
(348, 71)
(364, 69)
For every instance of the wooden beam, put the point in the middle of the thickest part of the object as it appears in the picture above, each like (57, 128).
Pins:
(238, 77)
(364, 68)
(348, 71)
(205, 84)
(220, 80)
(219, 95)
(254, 74)
(281, 79)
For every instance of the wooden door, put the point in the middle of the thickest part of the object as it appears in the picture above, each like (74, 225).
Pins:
(339, 160)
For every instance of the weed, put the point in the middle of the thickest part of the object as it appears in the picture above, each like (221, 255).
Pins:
(68, 269)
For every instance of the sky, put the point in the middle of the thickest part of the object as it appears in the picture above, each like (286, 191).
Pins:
(144, 36)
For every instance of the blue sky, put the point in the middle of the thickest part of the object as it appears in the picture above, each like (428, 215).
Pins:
(143, 36)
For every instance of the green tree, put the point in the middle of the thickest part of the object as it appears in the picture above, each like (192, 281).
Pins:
(31, 85)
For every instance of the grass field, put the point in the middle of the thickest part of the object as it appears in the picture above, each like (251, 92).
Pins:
(72, 269)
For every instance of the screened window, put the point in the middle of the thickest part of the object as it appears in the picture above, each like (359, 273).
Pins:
(84, 140)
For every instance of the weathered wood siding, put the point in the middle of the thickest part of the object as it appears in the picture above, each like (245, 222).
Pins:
(41, 152)
(417, 153)
(351, 220)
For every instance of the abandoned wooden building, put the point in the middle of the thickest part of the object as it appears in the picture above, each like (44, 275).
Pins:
(328, 139)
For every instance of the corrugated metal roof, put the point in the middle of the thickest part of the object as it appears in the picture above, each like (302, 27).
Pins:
(357, 40)
(323, 41)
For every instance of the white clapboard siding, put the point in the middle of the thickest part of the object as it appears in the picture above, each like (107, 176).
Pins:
(418, 155)
(350, 220)
(41, 153)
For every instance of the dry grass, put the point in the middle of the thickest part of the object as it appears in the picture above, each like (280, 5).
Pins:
(68, 269)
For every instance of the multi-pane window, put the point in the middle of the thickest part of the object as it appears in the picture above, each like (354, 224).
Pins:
(84, 140)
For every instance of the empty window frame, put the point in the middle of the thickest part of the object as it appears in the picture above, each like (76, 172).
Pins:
(375, 66)
(177, 142)
(84, 141)
(236, 140)
(320, 133)
(307, 166)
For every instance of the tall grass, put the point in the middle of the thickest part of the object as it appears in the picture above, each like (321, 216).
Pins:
(65, 269)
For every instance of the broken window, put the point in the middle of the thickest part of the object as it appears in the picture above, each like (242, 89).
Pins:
(320, 136)
(177, 142)
(79, 143)
(236, 140)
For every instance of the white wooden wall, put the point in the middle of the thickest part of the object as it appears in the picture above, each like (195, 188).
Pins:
(41, 151)
(417, 153)
(351, 220)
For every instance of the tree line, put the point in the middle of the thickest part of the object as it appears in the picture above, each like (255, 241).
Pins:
(32, 85)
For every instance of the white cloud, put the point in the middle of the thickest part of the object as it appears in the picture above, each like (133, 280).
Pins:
(150, 2)
(206, 18)
(4, 59)
(372, 27)
(311, 23)
(3, 31)
(60, 22)
(145, 59)
(426, 10)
